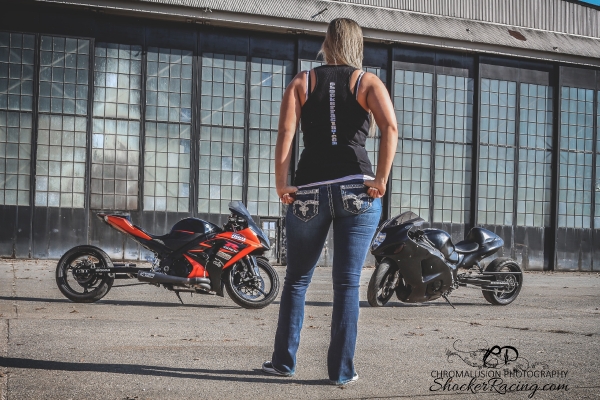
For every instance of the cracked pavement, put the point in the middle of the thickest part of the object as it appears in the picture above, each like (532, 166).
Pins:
(139, 342)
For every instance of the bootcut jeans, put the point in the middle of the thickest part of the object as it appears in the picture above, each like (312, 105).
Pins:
(355, 216)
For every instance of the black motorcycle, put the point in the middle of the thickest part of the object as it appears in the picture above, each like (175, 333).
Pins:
(422, 265)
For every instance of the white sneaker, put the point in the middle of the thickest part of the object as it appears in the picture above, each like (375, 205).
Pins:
(354, 379)
(270, 369)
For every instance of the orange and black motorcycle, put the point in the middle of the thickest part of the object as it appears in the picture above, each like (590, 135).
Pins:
(196, 256)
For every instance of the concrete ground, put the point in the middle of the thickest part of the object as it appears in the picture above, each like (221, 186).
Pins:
(140, 343)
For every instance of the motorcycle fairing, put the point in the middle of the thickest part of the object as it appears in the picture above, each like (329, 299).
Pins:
(426, 276)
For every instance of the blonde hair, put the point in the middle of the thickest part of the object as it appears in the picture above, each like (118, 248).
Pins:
(343, 43)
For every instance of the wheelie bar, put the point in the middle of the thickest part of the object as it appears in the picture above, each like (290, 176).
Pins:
(156, 277)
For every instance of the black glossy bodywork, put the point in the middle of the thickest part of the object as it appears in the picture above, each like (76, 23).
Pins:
(186, 230)
(427, 259)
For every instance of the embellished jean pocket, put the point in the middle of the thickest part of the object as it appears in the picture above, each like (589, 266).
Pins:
(306, 204)
(355, 198)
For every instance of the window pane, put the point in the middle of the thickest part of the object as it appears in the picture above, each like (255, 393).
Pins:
(410, 178)
(16, 102)
(452, 179)
(223, 90)
(221, 168)
(262, 196)
(167, 167)
(167, 141)
(497, 152)
(115, 163)
(61, 158)
(575, 158)
(64, 67)
(15, 156)
(535, 155)
(452, 182)
(116, 138)
(169, 85)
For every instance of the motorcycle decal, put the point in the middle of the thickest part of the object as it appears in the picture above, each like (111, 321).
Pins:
(223, 255)
(146, 274)
(125, 226)
(234, 248)
(238, 237)
(198, 271)
(218, 263)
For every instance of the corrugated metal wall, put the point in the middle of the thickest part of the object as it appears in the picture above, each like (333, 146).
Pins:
(551, 15)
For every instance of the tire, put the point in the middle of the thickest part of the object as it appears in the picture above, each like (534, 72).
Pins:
(252, 294)
(380, 291)
(502, 298)
(86, 288)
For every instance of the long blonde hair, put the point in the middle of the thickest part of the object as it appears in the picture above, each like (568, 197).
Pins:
(343, 44)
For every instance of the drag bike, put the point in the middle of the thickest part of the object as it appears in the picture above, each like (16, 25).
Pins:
(196, 256)
(422, 265)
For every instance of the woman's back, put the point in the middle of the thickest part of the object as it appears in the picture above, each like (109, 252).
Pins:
(335, 128)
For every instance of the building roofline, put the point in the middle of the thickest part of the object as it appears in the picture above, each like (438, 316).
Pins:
(581, 50)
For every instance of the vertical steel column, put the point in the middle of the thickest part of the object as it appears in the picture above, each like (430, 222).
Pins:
(513, 251)
(556, 89)
(34, 137)
(143, 83)
(594, 165)
(433, 140)
(475, 150)
(247, 127)
(88, 159)
(196, 128)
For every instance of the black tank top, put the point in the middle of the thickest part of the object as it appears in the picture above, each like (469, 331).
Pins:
(335, 128)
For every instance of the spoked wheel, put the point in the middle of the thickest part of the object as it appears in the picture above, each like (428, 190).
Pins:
(382, 284)
(252, 289)
(515, 281)
(76, 277)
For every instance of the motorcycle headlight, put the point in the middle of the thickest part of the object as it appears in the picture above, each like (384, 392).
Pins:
(378, 240)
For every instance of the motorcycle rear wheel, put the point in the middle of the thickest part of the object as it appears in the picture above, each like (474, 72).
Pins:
(500, 297)
(86, 287)
(252, 293)
(380, 289)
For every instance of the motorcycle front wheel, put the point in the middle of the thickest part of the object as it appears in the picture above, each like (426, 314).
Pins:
(504, 297)
(252, 290)
(382, 284)
(76, 278)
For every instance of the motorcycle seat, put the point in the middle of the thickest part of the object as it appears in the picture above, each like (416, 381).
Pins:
(466, 246)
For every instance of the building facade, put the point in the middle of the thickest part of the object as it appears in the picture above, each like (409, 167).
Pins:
(169, 108)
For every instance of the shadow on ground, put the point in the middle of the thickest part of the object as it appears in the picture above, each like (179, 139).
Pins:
(255, 376)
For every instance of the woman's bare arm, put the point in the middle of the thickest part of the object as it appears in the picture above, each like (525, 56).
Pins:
(373, 94)
(289, 117)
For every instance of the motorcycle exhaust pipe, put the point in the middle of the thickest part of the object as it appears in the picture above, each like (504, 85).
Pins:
(157, 277)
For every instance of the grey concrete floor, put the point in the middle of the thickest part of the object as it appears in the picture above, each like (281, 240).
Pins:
(140, 343)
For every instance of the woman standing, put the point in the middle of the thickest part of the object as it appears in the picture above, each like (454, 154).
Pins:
(335, 184)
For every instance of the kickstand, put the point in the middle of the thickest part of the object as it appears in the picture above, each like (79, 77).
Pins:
(178, 296)
(448, 300)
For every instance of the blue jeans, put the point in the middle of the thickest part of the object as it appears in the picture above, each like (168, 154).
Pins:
(355, 217)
